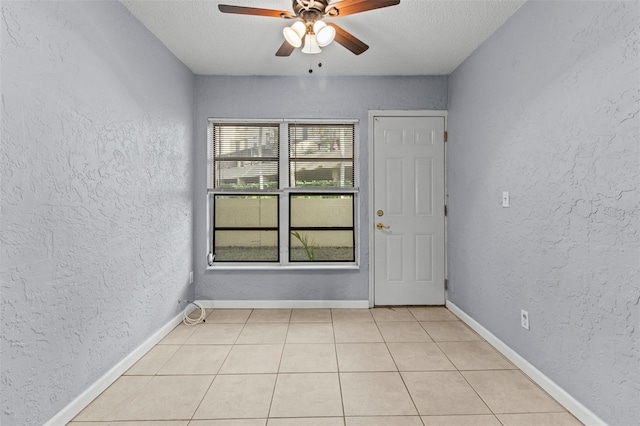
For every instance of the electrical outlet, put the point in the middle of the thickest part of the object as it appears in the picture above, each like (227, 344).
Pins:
(524, 319)
(191, 277)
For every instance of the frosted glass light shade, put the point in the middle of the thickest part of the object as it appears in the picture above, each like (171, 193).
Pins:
(324, 33)
(311, 45)
(292, 37)
(317, 26)
(294, 33)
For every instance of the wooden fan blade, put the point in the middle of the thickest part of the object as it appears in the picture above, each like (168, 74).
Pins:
(285, 50)
(349, 7)
(254, 11)
(348, 40)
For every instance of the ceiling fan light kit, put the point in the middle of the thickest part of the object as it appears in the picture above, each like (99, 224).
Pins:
(310, 28)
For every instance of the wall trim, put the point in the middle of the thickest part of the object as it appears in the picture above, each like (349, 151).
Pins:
(581, 412)
(283, 304)
(77, 405)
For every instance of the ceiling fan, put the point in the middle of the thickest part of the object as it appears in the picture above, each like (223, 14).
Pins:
(309, 27)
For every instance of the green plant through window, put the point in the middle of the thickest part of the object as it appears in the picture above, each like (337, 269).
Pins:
(306, 244)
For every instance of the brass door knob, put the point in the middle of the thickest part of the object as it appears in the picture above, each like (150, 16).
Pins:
(380, 227)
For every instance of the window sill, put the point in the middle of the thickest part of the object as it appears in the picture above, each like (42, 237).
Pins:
(278, 267)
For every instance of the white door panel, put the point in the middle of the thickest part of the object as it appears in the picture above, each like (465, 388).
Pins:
(409, 190)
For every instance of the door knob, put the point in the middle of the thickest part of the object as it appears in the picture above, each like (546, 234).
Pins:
(380, 227)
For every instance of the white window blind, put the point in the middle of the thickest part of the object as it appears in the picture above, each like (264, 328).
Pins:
(321, 155)
(244, 156)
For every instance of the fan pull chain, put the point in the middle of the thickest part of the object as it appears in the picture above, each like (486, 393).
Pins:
(311, 66)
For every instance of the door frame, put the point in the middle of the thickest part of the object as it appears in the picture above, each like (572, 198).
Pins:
(398, 113)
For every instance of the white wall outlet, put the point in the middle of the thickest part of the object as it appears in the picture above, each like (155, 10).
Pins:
(524, 319)
(191, 277)
(505, 198)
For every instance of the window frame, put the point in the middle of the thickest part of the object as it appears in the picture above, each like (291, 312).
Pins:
(284, 192)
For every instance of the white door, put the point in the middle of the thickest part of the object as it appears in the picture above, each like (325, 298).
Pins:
(408, 215)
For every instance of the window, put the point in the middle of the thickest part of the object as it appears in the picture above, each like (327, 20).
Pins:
(321, 228)
(321, 156)
(245, 156)
(246, 228)
(282, 193)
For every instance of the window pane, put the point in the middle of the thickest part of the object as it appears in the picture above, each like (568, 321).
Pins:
(246, 246)
(321, 140)
(246, 141)
(245, 156)
(246, 211)
(246, 174)
(319, 246)
(327, 211)
(321, 155)
(334, 174)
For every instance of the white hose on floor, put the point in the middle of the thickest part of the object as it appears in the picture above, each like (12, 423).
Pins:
(187, 320)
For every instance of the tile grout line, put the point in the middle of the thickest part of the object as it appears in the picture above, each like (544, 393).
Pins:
(451, 361)
(481, 339)
(465, 379)
(401, 377)
(158, 375)
(462, 375)
(398, 369)
(218, 371)
(151, 377)
(275, 382)
(335, 351)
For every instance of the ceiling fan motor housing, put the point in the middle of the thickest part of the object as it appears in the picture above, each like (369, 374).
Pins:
(311, 10)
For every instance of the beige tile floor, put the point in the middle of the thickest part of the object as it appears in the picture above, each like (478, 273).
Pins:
(324, 367)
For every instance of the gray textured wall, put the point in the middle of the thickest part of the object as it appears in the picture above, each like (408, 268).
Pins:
(97, 133)
(548, 109)
(313, 96)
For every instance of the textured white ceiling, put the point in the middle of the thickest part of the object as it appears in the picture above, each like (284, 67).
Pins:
(417, 37)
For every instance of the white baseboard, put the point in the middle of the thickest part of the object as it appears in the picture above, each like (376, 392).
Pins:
(572, 405)
(283, 304)
(74, 407)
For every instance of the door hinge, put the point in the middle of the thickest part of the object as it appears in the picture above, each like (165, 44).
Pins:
(445, 210)
(446, 136)
(446, 284)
